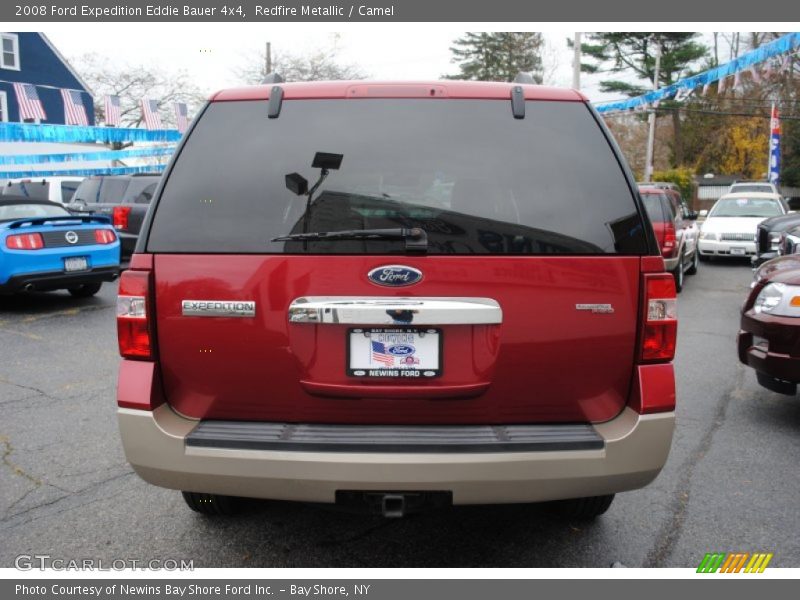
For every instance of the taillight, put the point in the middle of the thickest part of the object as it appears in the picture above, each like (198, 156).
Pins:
(120, 216)
(104, 236)
(133, 316)
(660, 330)
(670, 247)
(25, 241)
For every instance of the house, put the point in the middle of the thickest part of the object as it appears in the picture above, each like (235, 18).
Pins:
(30, 57)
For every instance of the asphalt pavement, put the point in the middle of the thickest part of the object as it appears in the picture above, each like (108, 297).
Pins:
(731, 483)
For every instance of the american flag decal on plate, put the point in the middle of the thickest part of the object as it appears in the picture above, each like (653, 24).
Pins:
(379, 354)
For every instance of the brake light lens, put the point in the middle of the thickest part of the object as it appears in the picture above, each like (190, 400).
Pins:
(660, 330)
(670, 247)
(25, 241)
(133, 316)
(104, 236)
(120, 216)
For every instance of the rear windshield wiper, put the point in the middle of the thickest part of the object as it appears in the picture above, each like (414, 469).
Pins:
(416, 239)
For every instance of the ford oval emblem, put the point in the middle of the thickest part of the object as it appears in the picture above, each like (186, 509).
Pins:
(401, 350)
(395, 275)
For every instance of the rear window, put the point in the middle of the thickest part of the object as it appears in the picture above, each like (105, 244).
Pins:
(68, 189)
(36, 190)
(12, 212)
(654, 207)
(476, 179)
(137, 186)
(103, 190)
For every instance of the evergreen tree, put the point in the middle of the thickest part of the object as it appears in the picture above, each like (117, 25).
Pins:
(500, 56)
(634, 54)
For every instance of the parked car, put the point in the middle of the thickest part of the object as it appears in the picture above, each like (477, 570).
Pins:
(769, 339)
(769, 234)
(43, 248)
(124, 198)
(731, 224)
(55, 189)
(390, 295)
(738, 187)
(675, 230)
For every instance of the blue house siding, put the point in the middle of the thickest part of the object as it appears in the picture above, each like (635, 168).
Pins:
(40, 66)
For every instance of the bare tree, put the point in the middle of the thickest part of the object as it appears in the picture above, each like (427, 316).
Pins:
(319, 65)
(132, 83)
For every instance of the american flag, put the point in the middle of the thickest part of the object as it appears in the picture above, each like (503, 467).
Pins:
(182, 116)
(150, 113)
(379, 354)
(74, 109)
(113, 113)
(30, 106)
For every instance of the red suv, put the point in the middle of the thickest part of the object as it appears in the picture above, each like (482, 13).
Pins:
(397, 295)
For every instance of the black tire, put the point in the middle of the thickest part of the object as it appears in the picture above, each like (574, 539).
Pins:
(704, 258)
(86, 290)
(584, 509)
(212, 504)
(692, 270)
(678, 274)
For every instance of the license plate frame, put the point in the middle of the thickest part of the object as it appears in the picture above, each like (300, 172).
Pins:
(374, 370)
(738, 251)
(76, 264)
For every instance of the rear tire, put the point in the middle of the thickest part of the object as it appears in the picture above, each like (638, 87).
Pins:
(678, 273)
(86, 290)
(584, 509)
(212, 504)
(692, 270)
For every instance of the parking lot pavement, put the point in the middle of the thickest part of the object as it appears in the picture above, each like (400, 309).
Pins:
(65, 489)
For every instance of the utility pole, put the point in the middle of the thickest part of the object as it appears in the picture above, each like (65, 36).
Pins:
(651, 136)
(576, 62)
(268, 58)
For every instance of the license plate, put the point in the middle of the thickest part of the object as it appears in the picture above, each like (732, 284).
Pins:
(76, 263)
(738, 251)
(394, 352)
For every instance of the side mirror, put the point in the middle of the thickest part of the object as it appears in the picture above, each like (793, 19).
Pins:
(297, 184)
(703, 213)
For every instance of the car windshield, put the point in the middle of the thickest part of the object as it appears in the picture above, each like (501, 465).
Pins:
(13, 212)
(746, 207)
(38, 190)
(752, 187)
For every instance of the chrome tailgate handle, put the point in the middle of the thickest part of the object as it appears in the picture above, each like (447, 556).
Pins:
(385, 310)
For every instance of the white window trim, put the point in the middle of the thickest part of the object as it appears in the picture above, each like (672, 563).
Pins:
(3, 107)
(15, 40)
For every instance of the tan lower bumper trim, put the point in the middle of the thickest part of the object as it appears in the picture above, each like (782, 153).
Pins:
(636, 448)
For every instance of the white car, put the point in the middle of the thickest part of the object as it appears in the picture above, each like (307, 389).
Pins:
(55, 189)
(731, 224)
(753, 186)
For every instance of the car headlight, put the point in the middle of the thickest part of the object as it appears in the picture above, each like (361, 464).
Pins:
(778, 299)
(708, 235)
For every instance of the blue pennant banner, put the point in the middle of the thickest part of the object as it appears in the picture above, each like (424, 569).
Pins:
(32, 132)
(782, 45)
(34, 159)
(81, 172)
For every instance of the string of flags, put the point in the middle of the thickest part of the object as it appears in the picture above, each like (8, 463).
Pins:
(75, 108)
(774, 56)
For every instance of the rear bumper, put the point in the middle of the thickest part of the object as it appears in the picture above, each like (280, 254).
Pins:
(634, 449)
(58, 280)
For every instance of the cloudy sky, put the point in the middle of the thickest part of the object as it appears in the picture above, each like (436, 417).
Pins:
(211, 52)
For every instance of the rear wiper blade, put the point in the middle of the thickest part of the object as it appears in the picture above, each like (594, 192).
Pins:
(415, 237)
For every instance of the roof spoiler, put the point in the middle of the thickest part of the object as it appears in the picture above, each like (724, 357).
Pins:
(42, 220)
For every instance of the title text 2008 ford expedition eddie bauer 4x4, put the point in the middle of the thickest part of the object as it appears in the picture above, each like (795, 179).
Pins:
(395, 294)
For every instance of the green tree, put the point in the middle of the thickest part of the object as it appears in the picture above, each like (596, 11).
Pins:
(633, 55)
(498, 56)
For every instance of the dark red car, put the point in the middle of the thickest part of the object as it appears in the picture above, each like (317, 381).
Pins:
(399, 295)
(769, 340)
